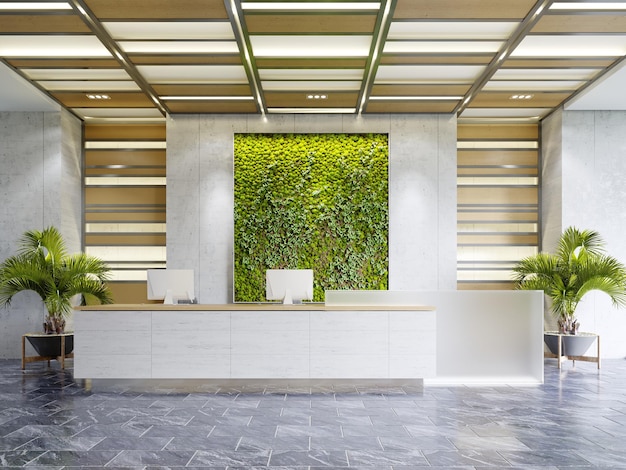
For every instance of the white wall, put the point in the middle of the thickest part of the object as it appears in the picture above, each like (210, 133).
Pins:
(40, 185)
(590, 169)
(422, 194)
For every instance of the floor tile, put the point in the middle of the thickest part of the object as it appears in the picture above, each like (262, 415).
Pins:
(576, 420)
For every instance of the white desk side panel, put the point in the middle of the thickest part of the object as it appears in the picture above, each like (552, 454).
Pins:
(112, 345)
(270, 344)
(190, 344)
(350, 344)
(412, 344)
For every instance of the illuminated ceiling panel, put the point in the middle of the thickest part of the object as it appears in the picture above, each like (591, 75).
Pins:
(216, 56)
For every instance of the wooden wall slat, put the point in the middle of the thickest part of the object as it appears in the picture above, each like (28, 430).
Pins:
(497, 132)
(497, 157)
(124, 132)
(497, 217)
(496, 194)
(124, 217)
(509, 239)
(131, 293)
(114, 239)
(125, 195)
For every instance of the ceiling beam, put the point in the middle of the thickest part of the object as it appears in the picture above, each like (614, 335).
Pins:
(383, 22)
(540, 8)
(235, 14)
(96, 27)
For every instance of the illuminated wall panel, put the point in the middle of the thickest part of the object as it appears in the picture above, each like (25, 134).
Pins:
(125, 203)
(497, 202)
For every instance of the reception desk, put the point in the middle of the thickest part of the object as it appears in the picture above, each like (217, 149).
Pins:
(254, 341)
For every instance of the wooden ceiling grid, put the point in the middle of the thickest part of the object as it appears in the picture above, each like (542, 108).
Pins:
(146, 58)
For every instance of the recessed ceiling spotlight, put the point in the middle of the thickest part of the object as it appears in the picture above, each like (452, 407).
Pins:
(521, 96)
(316, 97)
(98, 97)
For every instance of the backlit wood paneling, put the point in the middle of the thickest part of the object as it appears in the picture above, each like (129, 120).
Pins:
(125, 202)
(497, 202)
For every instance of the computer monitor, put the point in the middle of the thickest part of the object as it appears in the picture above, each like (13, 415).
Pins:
(289, 285)
(171, 285)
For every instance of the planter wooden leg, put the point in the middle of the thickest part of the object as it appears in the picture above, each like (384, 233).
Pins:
(23, 352)
(560, 351)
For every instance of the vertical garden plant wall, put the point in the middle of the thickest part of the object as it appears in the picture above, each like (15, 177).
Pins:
(311, 201)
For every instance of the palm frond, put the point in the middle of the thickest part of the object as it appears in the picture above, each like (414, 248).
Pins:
(578, 267)
(43, 265)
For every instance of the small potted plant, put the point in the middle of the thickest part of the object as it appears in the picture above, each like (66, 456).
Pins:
(43, 265)
(579, 266)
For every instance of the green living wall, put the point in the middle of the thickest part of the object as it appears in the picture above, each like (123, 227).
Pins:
(311, 201)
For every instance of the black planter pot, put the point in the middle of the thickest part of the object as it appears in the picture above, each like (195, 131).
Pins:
(573, 345)
(50, 345)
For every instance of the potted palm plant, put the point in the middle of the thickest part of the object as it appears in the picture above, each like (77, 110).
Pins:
(579, 266)
(43, 265)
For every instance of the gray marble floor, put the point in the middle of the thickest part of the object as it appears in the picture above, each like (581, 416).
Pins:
(576, 420)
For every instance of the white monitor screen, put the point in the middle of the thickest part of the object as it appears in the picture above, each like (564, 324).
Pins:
(289, 285)
(171, 285)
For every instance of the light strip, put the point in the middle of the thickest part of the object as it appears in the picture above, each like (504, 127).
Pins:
(312, 110)
(588, 6)
(207, 98)
(35, 6)
(286, 6)
(415, 98)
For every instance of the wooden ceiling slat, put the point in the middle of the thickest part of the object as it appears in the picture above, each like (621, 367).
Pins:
(203, 90)
(118, 100)
(39, 24)
(64, 63)
(158, 9)
(310, 23)
(389, 59)
(556, 63)
(185, 59)
(312, 63)
(490, 99)
(299, 100)
(590, 23)
(419, 90)
(467, 9)
(212, 107)
(411, 106)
